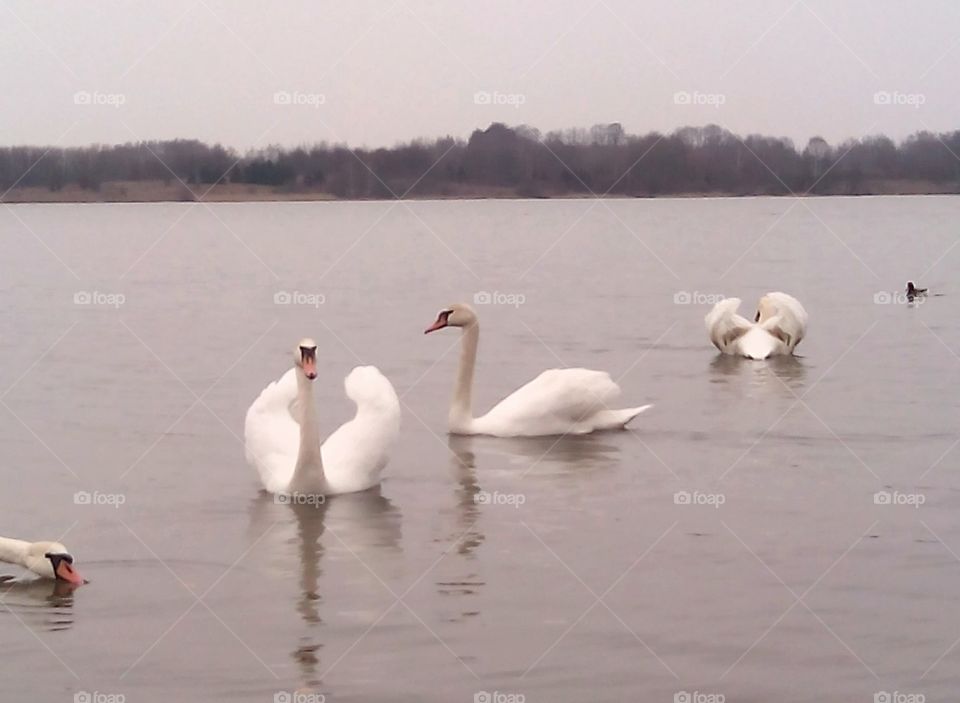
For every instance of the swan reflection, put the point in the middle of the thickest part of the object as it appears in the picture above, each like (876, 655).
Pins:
(777, 370)
(40, 603)
(365, 525)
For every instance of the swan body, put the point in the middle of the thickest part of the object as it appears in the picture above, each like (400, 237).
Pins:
(557, 402)
(49, 560)
(282, 438)
(779, 326)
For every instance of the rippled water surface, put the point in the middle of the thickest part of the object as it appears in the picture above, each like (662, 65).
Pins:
(580, 579)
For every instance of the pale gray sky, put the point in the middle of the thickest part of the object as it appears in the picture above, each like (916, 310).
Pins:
(374, 73)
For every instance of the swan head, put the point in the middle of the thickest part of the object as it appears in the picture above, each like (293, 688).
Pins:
(305, 357)
(53, 561)
(457, 315)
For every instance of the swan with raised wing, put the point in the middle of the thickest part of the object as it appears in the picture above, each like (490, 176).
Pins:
(282, 435)
(557, 402)
(778, 327)
(49, 560)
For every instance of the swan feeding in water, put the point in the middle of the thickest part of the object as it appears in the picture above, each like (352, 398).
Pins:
(49, 560)
(778, 327)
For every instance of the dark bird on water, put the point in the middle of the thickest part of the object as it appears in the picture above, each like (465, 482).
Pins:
(914, 292)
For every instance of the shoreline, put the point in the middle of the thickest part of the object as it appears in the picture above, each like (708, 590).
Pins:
(158, 192)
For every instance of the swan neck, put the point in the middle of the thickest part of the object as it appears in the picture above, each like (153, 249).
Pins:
(13, 551)
(461, 408)
(308, 474)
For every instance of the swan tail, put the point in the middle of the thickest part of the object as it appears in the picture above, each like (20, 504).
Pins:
(617, 419)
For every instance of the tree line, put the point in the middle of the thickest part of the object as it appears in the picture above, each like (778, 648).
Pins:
(515, 161)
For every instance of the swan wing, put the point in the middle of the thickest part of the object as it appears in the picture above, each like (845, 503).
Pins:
(356, 453)
(558, 401)
(789, 321)
(272, 434)
(725, 326)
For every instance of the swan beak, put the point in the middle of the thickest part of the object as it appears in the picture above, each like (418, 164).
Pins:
(310, 367)
(66, 572)
(439, 324)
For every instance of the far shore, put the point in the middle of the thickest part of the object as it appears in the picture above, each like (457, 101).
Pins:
(162, 192)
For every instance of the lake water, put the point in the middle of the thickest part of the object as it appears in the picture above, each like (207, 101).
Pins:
(582, 579)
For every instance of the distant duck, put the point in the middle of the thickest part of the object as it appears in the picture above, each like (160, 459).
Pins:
(778, 327)
(50, 560)
(914, 292)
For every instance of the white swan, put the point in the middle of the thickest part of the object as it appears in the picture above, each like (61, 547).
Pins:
(50, 560)
(283, 440)
(557, 402)
(779, 326)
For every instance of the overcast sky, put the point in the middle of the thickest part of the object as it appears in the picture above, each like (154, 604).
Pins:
(374, 73)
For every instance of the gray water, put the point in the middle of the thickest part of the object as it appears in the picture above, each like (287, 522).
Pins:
(590, 583)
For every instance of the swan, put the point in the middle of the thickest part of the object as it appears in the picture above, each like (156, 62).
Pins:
(779, 326)
(282, 437)
(50, 560)
(557, 402)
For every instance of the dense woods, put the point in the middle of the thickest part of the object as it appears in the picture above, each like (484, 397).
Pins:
(511, 161)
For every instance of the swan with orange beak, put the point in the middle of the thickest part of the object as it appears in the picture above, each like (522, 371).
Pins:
(49, 560)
